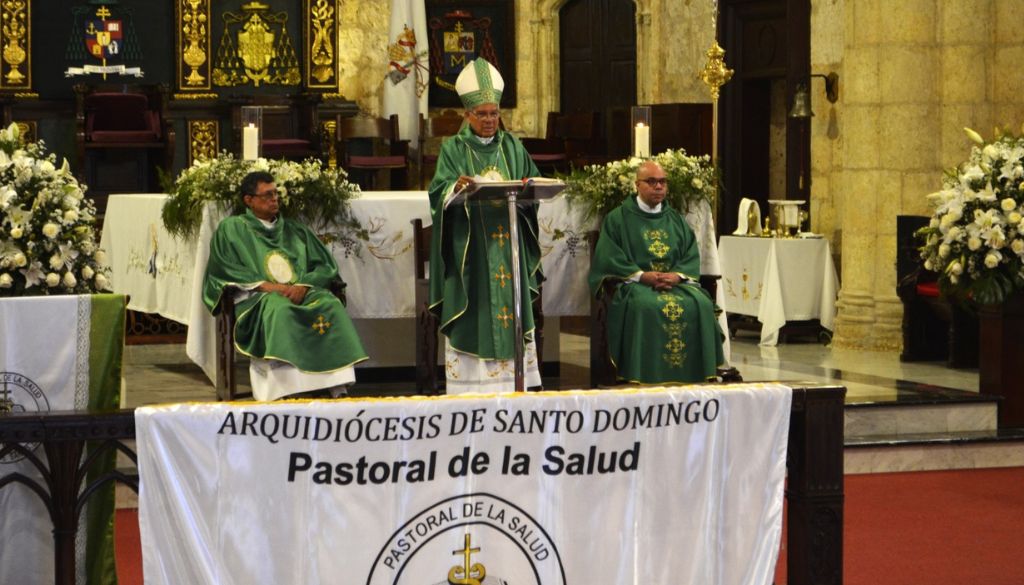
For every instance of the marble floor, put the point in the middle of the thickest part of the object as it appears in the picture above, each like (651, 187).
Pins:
(163, 373)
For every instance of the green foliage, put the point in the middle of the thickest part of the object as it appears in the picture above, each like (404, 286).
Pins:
(598, 189)
(308, 192)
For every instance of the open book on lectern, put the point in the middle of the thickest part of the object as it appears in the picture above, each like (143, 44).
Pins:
(534, 189)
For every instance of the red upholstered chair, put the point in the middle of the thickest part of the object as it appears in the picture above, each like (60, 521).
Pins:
(367, 146)
(447, 124)
(118, 125)
(934, 328)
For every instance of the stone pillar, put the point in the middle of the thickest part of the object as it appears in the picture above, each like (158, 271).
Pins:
(891, 106)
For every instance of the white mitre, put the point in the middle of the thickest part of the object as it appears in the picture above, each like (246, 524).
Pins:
(479, 83)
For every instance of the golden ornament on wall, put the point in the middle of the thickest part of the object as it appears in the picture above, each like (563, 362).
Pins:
(195, 32)
(320, 33)
(255, 48)
(14, 36)
(203, 139)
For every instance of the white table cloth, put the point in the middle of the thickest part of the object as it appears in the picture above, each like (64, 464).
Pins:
(778, 280)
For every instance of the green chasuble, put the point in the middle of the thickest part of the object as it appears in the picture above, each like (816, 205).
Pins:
(655, 337)
(470, 256)
(316, 336)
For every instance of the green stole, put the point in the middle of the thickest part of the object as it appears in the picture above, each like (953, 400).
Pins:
(470, 257)
(655, 337)
(315, 336)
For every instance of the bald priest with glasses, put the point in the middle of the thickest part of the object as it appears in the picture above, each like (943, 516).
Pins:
(661, 324)
(297, 333)
(470, 256)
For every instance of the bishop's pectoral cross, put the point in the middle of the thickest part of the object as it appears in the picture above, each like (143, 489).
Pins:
(468, 573)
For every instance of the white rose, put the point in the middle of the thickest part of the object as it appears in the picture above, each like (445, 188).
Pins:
(100, 256)
(69, 280)
(101, 282)
(973, 243)
(87, 272)
(51, 230)
(52, 280)
(56, 261)
(20, 260)
(956, 268)
(70, 215)
(16, 232)
(1017, 246)
(1014, 217)
(6, 281)
(954, 233)
(1008, 204)
(928, 265)
(943, 251)
(991, 260)
(697, 183)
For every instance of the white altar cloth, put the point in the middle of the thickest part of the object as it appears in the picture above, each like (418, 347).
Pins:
(778, 280)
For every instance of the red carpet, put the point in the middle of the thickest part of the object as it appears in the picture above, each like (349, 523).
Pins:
(925, 528)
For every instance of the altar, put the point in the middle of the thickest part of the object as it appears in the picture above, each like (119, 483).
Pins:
(779, 280)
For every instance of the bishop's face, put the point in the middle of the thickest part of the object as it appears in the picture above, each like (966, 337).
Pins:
(264, 203)
(483, 119)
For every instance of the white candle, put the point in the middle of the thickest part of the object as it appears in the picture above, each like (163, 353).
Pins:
(642, 140)
(250, 142)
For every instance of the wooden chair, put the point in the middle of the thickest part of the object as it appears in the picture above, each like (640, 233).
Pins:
(429, 380)
(933, 327)
(227, 383)
(118, 125)
(602, 369)
(367, 146)
(548, 153)
(447, 124)
(290, 126)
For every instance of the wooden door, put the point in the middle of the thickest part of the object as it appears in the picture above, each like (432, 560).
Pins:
(765, 41)
(598, 64)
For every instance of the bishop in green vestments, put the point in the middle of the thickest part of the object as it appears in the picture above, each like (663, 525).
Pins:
(661, 323)
(470, 256)
(297, 332)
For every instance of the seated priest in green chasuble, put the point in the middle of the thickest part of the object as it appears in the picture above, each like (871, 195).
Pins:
(470, 256)
(296, 332)
(661, 323)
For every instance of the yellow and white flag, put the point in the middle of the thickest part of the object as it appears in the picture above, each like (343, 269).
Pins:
(408, 75)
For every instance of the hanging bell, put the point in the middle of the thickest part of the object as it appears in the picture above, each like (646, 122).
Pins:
(801, 103)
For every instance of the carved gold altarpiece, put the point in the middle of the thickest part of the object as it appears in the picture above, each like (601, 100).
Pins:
(16, 44)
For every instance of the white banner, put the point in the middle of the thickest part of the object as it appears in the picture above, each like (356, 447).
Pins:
(408, 76)
(44, 366)
(668, 486)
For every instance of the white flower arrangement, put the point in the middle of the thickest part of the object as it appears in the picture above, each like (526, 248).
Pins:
(598, 189)
(47, 226)
(975, 240)
(309, 192)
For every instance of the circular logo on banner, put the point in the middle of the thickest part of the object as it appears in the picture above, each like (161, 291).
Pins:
(475, 539)
(18, 393)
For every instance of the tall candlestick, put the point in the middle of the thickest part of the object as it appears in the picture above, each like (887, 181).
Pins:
(642, 141)
(250, 142)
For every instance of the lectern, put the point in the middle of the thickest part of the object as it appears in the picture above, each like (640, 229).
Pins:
(525, 192)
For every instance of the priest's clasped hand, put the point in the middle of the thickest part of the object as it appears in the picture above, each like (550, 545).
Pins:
(660, 280)
(294, 293)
